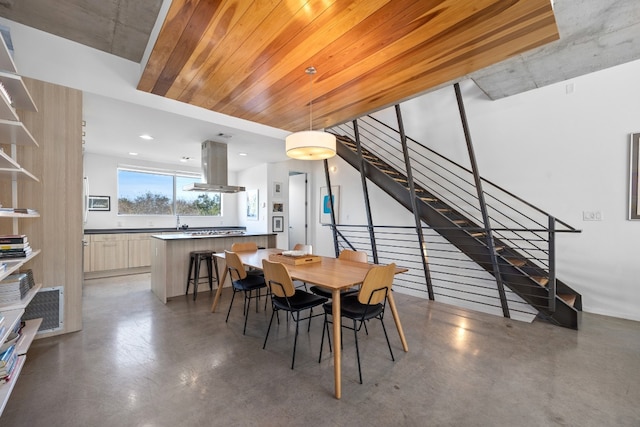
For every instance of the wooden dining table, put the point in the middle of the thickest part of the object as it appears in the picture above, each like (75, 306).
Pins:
(330, 273)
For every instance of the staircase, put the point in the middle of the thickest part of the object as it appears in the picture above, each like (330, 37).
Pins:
(519, 271)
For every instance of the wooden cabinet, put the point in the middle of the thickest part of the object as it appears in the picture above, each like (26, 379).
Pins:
(139, 250)
(109, 252)
(119, 251)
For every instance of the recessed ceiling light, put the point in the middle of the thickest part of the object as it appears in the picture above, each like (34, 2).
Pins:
(242, 154)
(146, 137)
(133, 154)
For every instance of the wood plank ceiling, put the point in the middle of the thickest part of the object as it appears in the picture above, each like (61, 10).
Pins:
(247, 58)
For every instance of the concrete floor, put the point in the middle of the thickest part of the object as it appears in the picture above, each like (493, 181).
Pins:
(140, 363)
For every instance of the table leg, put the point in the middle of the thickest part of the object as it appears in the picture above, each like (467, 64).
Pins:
(396, 318)
(219, 290)
(337, 340)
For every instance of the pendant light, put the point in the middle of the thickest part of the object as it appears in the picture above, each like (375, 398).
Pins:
(310, 144)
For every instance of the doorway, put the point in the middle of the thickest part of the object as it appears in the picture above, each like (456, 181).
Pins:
(298, 214)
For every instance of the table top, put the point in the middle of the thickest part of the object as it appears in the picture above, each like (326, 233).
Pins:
(330, 273)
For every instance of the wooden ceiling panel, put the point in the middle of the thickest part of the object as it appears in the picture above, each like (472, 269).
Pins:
(247, 58)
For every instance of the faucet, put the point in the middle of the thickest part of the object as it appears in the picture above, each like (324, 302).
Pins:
(177, 222)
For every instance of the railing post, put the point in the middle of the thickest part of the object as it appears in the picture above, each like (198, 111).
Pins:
(333, 214)
(414, 205)
(483, 205)
(552, 264)
(365, 191)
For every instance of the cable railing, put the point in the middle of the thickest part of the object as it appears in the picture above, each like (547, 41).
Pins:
(456, 279)
(521, 231)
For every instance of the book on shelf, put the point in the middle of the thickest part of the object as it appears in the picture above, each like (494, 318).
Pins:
(10, 239)
(15, 287)
(6, 356)
(13, 246)
(5, 373)
(15, 253)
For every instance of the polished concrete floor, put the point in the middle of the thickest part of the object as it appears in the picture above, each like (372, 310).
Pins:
(140, 363)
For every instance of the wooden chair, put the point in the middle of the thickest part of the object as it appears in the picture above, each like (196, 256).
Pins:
(285, 297)
(348, 255)
(369, 303)
(244, 247)
(307, 249)
(243, 282)
(247, 247)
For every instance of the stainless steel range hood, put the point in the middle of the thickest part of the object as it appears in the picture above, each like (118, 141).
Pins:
(214, 170)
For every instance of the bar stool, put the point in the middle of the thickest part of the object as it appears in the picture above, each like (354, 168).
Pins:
(195, 259)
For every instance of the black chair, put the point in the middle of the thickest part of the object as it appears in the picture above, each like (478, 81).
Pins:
(243, 282)
(347, 255)
(285, 297)
(369, 303)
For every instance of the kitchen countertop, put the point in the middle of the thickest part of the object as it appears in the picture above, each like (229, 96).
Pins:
(188, 236)
(155, 230)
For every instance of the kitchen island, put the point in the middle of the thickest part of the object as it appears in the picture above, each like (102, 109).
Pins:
(170, 257)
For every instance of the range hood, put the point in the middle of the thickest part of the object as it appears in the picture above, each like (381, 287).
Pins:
(214, 170)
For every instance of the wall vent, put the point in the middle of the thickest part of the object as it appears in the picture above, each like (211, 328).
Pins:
(47, 304)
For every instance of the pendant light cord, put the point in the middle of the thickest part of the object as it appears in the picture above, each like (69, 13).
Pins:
(310, 71)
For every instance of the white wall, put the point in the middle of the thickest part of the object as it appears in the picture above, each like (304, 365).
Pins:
(564, 151)
(102, 174)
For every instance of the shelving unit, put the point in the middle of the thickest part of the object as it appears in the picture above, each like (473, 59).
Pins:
(14, 133)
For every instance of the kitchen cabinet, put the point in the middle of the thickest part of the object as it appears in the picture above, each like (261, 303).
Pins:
(139, 250)
(109, 252)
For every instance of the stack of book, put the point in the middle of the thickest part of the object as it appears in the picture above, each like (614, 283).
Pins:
(14, 287)
(14, 246)
(8, 361)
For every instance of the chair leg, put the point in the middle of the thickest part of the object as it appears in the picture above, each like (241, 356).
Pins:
(196, 276)
(295, 339)
(189, 275)
(310, 316)
(387, 337)
(246, 316)
(355, 333)
(268, 329)
(324, 327)
(230, 304)
(210, 270)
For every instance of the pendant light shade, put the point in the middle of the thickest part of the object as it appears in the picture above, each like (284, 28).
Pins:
(311, 144)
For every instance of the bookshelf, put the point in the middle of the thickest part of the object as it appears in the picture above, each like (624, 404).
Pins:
(14, 133)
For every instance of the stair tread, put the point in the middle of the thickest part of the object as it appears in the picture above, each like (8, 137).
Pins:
(477, 234)
(460, 221)
(542, 281)
(428, 199)
(569, 299)
(518, 262)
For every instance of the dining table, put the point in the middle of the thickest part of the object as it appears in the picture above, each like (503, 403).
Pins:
(332, 274)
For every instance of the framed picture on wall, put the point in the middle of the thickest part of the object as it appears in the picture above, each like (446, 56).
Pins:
(99, 203)
(278, 207)
(277, 223)
(252, 205)
(325, 204)
(634, 186)
(277, 190)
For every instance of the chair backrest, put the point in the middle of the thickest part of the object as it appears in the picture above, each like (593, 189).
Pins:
(244, 247)
(377, 283)
(349, 255)
(278, 279)
(235, 266)
(302, 247)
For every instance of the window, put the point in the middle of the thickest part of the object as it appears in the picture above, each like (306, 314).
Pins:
(158, 193)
